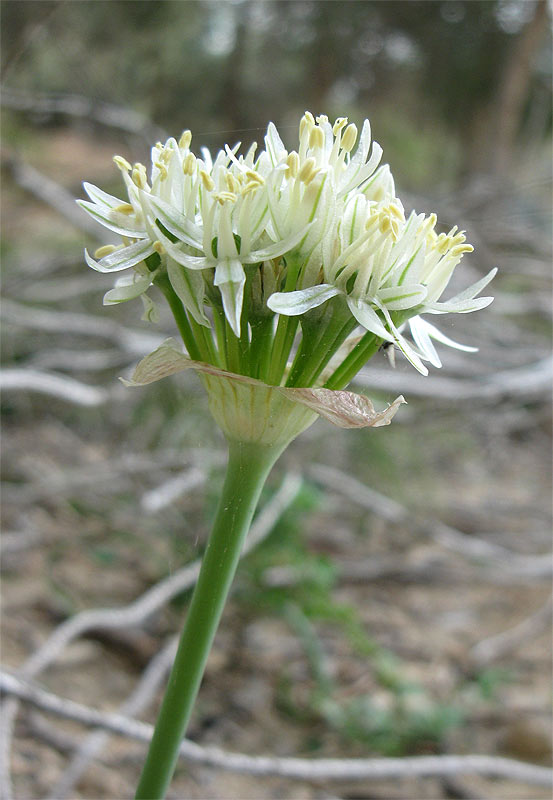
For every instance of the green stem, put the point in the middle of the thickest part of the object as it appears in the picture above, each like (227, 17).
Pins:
(260, 349)
(179, 313)
(354, 361)
(320, 353)
(284, 339)
(247, 469)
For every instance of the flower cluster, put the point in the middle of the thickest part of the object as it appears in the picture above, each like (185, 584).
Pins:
(250, 242)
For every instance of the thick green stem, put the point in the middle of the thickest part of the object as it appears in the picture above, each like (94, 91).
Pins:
(351, 365)
(320, 353)
(248, 467)
(163, 283)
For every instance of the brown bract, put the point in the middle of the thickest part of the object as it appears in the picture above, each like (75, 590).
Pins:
(342, 408)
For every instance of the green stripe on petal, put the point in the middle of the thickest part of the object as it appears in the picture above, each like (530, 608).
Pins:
(230, 278)
(399, 298)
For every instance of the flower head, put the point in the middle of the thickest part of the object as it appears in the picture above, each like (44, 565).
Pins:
(280, 251)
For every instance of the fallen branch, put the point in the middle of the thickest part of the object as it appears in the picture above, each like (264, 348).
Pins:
(134, 614)
(530, 382)
(53, 195)
(135, 341)
(146, 688)
(59, 386)
(73, 105)
(502, 644)
(324, 769)
(473, 547)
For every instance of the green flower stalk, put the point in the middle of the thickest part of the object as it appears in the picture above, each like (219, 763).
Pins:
(285, 272)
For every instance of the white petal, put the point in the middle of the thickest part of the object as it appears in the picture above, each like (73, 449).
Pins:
(436, 334)
(409, 352)
(278, 248)
(399, 298)
(126, 289)
(422, 339)
(175, 222)
(100, 197)
(292, 304)
(471, 291)
(230, 278)
(461, 307)
(190, 288)
(104, 216)
(121, 259)
(368, 318)
(274, 145)
(190, 262)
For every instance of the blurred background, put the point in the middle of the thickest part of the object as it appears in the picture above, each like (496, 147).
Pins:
(398, 603)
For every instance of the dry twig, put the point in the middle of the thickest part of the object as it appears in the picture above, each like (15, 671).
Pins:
(132, 615)
(502, 644)
(324, 769)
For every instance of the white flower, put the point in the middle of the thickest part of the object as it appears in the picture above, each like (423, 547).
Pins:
(303, 227)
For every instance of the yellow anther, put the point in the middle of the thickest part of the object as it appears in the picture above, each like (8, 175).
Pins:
(308, 171)
(252, 175)
(232, 184)
(124, 208)
(185, 139)
(162, 170)
(207, 180)
(459, 249)
(106, 250)
(316, 138)
(138, 176)
(189, 164)
(122, 163)
(307, 122)
(340, 123)
(158, 247)
(349, 138)
(292, 164)
(225, 197)
(251, 186)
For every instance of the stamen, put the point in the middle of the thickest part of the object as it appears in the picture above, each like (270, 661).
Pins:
(340, 123)
(158, 247)
(185, 139)
(316, 139)
(162, 169)
(349, 138)
(225, 197)
(106, 250)
(124, 208)
(308, 171)
(122, 163)
(189, 164)
(207, 180)
(292, 164)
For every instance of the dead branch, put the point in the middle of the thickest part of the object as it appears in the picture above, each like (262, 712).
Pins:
(168, 491)
(55, 196)
(472, 547)
(129, 616)
(324, 769)
(530, 382)
(73, 105)
(134, 341)
(59, 386)
(502, 644)
(146, 688)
